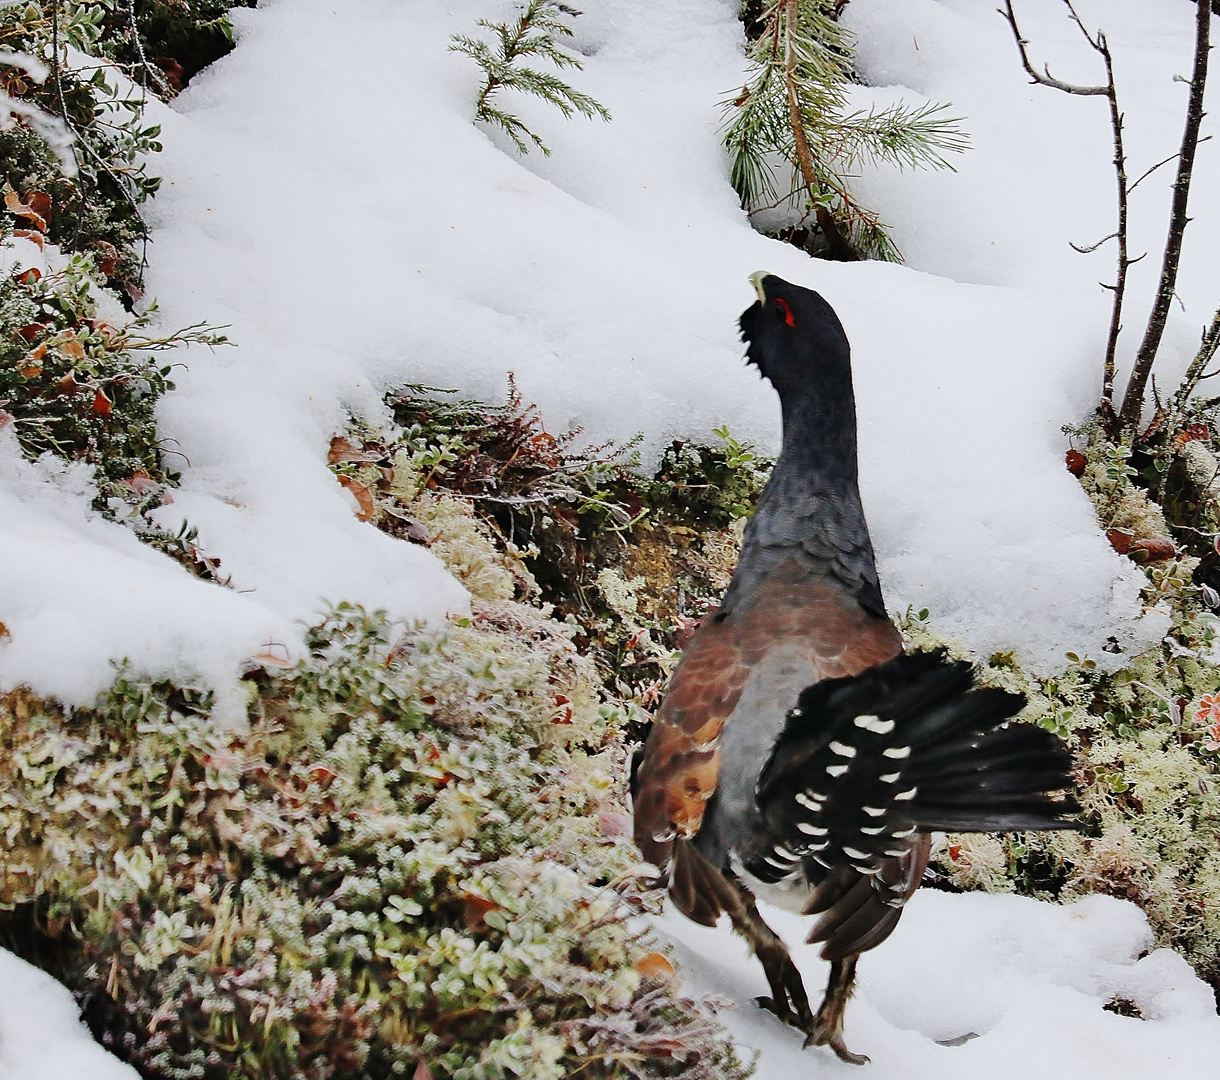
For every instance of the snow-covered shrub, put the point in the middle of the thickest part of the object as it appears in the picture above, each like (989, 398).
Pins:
(76, 386)
(1146, 739)
(415, 855)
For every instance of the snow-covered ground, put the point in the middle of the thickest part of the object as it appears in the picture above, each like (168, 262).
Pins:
(1028, 979)
(41, 1037)
(327, 197)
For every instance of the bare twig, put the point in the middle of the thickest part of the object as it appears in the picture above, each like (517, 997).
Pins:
(1133, 400)
(1109, 91)
(1208, 348)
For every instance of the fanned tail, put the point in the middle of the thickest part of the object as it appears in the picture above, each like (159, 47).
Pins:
(910, 746)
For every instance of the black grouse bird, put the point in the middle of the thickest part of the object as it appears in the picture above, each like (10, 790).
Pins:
(799, 754)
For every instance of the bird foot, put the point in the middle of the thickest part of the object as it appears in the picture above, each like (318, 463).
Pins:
(818, 1031)
(832, 1036)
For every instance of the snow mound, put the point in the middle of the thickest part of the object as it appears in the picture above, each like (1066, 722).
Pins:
(41, 1035)
(1019, 986)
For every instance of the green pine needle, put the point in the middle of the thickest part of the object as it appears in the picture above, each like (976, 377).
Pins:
(811, 63)
(532, 34)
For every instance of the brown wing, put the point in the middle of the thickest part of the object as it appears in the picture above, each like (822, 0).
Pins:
(854, 918)
(681, 761)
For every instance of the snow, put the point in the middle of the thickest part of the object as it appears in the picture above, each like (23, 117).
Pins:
(41, 1035)
(328, 200)
(1026, 980)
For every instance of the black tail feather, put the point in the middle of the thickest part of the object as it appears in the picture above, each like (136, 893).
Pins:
(910, 746)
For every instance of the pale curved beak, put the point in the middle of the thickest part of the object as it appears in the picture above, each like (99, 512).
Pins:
(756, 279)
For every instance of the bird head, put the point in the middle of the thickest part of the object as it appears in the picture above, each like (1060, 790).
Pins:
(793, 336)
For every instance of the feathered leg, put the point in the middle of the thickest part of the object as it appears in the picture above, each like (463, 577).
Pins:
(827, 1028)
(789, 1000)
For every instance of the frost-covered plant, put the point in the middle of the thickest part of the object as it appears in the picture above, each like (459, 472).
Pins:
(573, 526)
(75, 386)
(533, 33)
(1146, 739)
(793, 110)
(94, 206)
(412, 863)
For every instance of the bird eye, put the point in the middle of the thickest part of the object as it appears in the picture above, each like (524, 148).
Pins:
(783, 311)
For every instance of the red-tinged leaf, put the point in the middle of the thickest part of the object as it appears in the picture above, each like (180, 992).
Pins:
(1120, 540)
(1076, 462)
(1156, 549)
(321, 775)
(422, 1072)
(267, 658)
(102, 405)
(6, 418)
(31, 330)
(4, 632)
(656, 966)
(24, 209)
(28, 277)
(955, 852)
(68, 386)
(614, 825)
(363, 496)
(33, 236)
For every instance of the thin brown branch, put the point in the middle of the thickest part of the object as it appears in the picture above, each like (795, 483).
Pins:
(1099, 45)
(1133, 400)
(1046, 78)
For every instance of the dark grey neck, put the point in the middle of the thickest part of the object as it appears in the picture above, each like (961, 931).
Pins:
(820, 437)
(811, 510)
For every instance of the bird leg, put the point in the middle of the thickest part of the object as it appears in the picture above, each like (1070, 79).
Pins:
(827, 1027)
(788, 999)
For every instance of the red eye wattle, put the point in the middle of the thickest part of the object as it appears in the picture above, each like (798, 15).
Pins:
(782, 308)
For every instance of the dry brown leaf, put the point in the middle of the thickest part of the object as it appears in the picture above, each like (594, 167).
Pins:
(655, 965)
(31, 330)
(344, 450)
(26, 209)
(1076, 462)
(1120, 540)
(28, 277)
(1190, 433)
(6, 418)
(4, 632)
(422, 1072)
(362, 494)
(102, 405)
(68, 386)
(69, 344)
(475, 908)
(32, 235)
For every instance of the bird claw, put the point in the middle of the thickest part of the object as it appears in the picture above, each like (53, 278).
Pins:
(835, 1042)
(817, 1032)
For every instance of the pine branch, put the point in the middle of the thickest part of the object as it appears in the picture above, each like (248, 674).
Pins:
(794, 108)
(532, 34)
